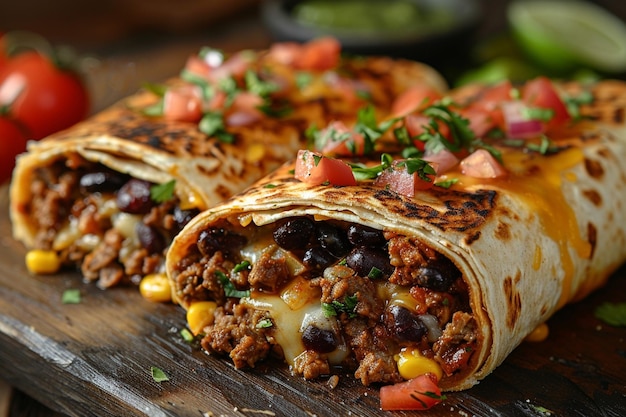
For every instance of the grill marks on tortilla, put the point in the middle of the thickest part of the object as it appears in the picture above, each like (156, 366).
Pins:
(513, 299)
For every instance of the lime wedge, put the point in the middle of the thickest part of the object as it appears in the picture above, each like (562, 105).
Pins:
(565, 35)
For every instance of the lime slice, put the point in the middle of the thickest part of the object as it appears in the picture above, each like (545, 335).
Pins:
(564, 35)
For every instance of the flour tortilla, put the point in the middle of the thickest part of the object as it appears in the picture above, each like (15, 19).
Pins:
(206, 170)
(549, 235)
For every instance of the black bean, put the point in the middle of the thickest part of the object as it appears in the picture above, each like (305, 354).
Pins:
(294, 233)
(319, 340)
(360, 235)
(317, 258)
(150, 238)
(134, 197)
(182, 217)
(406, 325)
(333, 239)
(438, 275)
(365, 260)
(223, 240)
(102, 182)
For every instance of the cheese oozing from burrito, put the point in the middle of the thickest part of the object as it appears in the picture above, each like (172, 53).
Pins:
(108, 195)
(363, 277)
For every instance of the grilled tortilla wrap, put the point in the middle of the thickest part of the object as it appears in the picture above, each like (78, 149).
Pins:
(66, 190)
(459, 276)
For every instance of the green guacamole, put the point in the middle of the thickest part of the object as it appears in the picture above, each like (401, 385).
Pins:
(371, 16)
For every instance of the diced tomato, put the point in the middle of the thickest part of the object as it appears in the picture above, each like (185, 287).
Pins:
(197, 66)
(398, 179)
(480, 122)
(319, 54)
(315, 169)
(414, 99)
(183, 103)
(488, 104)
(285, 53)
(481, 164)
(337, 139)
(420, 393)
(235, 66)
(540, 92)
(443, 161)
(416, 124)
(244, 109)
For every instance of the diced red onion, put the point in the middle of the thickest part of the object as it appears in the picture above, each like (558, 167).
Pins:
(517, 124)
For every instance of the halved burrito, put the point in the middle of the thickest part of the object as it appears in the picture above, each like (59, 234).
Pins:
(109, 194)
(444, 277)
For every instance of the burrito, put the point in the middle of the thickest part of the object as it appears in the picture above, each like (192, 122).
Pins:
(443, 277)
(107, 195)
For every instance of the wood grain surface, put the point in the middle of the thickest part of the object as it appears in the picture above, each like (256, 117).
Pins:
(94, 359)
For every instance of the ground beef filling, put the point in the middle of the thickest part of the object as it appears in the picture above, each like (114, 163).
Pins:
(103, 222)
(385, 292)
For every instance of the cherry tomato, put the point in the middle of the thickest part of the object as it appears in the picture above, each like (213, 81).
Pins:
(51, 99)
(540, 92)
(315, 169)
(12, 143)
(420, 393)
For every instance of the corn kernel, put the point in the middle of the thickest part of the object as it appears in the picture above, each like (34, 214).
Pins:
(39, 261)
(255, 153)
(411, 364)
(199, 315)
(156, 288)
(539, 334)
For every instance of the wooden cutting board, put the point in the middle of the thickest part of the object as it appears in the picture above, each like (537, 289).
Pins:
(94, 359)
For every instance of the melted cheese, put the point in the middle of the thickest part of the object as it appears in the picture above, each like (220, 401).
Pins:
(541, 190)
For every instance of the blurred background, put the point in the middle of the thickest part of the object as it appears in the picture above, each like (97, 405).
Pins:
(128, 42)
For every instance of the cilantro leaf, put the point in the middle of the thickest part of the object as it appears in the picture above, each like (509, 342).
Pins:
(229, 288)
(612, 313)
(158, 375)
(336, 307)
(71, 296)
(160, 193)
(212, 124)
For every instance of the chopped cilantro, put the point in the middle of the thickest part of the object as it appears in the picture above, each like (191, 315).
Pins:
(187, 335)
(212, 124)
(269, 186)
(447, 183)
(158, 375)
(336, 307)
(573, 103)
(303, 79)
(71, 296)
(538, 113)
(229, 287)
(264, 324)
(375, 273)
(257, 86)
(612, 313)
(160, 193)
(242, 266)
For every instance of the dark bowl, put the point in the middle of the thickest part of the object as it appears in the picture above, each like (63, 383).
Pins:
(429, 45)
